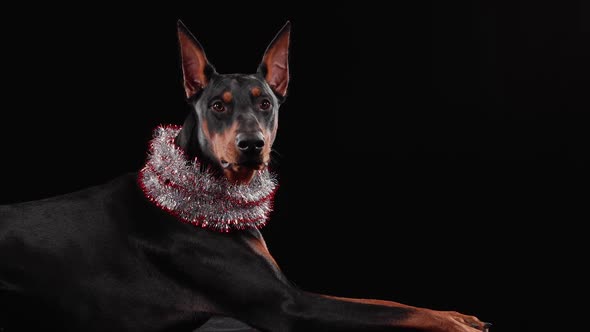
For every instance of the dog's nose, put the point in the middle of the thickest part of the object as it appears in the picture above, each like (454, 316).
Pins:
(250, 142)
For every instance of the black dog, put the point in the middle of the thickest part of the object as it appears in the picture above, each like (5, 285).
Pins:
(126, 256)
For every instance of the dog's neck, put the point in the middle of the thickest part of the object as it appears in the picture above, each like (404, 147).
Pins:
(197, 195)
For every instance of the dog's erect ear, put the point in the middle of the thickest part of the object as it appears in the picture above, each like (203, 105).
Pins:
(196, 69)
(275, 63)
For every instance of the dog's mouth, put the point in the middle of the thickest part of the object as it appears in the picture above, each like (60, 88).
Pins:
(241, 172)
(253, 164)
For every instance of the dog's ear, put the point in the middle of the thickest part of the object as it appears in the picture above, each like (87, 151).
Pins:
(275, 63)
(196, 69)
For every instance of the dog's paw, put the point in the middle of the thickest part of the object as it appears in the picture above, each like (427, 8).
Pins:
(452, 321)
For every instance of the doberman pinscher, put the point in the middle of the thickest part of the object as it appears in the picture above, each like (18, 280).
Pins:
(116, 257)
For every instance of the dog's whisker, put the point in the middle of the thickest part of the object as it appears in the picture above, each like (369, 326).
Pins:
(275, 152)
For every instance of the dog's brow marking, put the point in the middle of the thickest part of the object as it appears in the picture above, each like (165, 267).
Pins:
(256, 91)
(227, 97)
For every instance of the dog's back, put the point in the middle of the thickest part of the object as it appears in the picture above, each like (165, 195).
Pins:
(77, 260)
(64, 239)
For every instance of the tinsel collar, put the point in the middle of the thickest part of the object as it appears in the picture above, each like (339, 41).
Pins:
(198, 196)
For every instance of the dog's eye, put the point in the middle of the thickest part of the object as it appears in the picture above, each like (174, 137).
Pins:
(265, 104)
(218, 106)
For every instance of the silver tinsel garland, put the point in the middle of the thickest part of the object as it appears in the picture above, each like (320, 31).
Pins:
(198, 196)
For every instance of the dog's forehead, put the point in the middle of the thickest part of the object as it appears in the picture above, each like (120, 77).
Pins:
(238, 83)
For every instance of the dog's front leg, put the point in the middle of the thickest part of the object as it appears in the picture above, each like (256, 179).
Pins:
(316, 312)
(290, 309)
(241, 279)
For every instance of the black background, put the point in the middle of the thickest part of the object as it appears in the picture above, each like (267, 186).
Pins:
(430, 154)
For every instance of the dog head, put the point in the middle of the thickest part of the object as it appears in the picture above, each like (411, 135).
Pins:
(234, 117)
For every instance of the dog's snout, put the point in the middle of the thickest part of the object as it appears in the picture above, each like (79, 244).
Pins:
(250, 142)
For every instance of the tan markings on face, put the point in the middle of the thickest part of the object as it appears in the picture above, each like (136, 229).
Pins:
(256, 91)
(268, 138)
(223, 144)
(273, 132)
(224, 148)
(227, 97)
